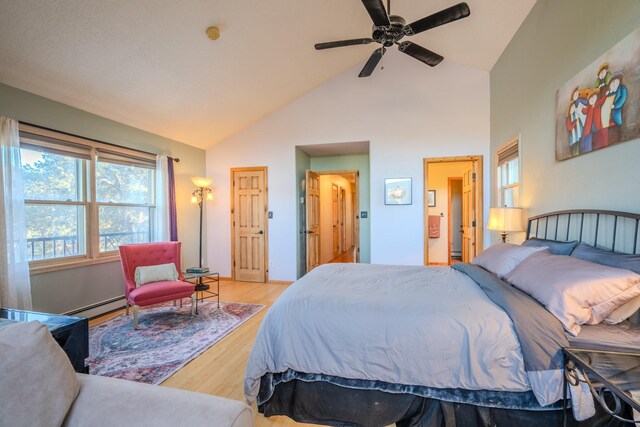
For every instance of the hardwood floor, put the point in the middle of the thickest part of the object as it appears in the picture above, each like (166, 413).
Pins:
(346, 256)
(220, 369)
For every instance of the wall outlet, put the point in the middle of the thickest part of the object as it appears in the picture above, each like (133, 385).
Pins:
(270, 214)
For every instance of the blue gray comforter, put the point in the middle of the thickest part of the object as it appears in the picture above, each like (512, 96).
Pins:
(419, 328)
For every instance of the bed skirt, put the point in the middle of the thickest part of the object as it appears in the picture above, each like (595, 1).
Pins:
(321, 402)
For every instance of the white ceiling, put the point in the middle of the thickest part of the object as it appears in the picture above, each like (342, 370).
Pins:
(149, 64)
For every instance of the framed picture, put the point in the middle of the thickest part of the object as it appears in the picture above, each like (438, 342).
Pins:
(599, 106)
(397, 191)
(431, 198)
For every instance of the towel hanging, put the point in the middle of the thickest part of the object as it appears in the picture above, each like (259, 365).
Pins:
(434, 226)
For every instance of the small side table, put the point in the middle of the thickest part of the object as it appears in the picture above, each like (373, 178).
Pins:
(612, 371)
(71, 333)
(202, 283)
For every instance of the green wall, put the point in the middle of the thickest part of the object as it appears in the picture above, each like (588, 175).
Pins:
(556, 41)
(71, 289)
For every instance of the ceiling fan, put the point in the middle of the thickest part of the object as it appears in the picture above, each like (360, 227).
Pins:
(390, 29)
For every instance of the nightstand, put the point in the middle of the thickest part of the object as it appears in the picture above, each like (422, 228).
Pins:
(612, 371)
(71, 333)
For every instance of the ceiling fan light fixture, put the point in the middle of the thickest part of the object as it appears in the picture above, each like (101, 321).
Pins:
(388, 30)
(213, 33)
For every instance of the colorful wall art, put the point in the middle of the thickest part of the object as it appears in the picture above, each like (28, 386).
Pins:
(600, 106)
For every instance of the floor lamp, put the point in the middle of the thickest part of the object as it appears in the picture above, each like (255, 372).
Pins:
(505, 219)
(202, 193)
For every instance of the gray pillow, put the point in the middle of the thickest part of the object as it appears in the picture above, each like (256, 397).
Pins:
(556, 247)
(612, 259)
(576, 291)
(501, 258)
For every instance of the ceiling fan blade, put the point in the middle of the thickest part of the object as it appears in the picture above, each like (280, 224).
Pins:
(342, 43)
(371, 64)
(377, 12)
(450, 14)
(420, 53)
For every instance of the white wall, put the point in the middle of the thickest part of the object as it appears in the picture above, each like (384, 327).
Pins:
(407, 111)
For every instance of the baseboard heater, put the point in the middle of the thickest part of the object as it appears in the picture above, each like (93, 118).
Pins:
(99, 308)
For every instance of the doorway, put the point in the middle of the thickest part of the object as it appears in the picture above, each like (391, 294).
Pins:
(249, 231)
(452, 209)
(455, 220)
(332, 233)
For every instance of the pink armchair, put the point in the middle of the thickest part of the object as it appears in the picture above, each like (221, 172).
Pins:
(144, 254)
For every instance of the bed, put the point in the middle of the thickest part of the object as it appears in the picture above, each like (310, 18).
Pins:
(354, 344)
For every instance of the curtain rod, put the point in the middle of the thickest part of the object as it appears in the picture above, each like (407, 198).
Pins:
(177, 160)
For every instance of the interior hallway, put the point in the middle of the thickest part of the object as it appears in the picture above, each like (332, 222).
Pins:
(347, 256)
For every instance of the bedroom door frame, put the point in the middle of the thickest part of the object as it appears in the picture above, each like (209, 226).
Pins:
(264, 217)
(450, 213)
(355, 207)
(477, 161)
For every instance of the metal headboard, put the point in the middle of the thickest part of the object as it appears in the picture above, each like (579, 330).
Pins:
(612, 230)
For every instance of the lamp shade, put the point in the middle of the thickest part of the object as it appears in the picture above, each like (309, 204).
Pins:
(200, 181)
(505, 219)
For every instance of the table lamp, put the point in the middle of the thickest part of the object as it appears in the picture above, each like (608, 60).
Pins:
(504, 220)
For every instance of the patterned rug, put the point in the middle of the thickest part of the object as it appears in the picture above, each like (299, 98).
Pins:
(167, 340)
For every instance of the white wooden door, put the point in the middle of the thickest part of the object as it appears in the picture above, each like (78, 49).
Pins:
(312, 203)
(249, 225)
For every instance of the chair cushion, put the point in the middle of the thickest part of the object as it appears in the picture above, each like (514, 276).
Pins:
(37, 382)
(156, 292)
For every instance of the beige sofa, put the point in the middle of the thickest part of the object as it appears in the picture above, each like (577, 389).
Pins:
(40, 388)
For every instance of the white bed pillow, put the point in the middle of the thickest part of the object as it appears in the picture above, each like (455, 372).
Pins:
(576, 291)
(623, 313)
(501, 258)
(155, 273)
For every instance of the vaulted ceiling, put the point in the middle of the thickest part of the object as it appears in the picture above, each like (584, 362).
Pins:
(149, 64)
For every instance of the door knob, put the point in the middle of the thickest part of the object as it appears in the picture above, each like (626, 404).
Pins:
(260, 232)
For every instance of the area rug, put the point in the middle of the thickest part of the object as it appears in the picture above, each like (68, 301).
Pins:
(167, 340)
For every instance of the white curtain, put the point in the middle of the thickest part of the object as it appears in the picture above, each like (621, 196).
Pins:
(162, 230)
(15, 284)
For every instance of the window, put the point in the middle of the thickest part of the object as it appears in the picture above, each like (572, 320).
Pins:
(83, 198)
(56, 204)
(124, 194)
(508, 174)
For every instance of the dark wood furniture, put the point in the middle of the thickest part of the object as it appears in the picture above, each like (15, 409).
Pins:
(614, 372)
(71, 333)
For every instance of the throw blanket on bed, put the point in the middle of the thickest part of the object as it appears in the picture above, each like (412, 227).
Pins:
(540, 333)
(421, 326)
